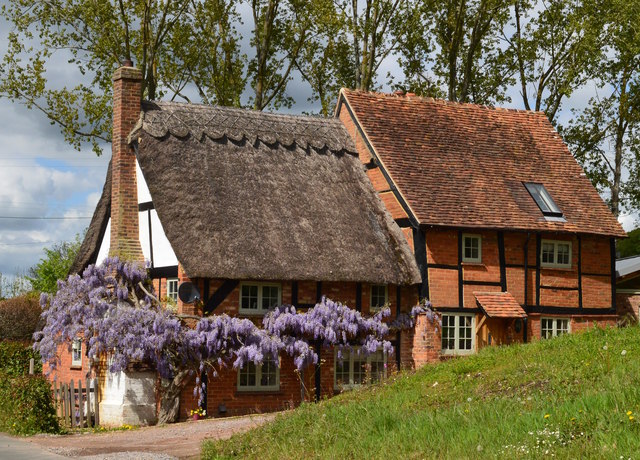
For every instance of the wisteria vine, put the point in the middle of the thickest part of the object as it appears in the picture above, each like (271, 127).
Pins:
(111, 307)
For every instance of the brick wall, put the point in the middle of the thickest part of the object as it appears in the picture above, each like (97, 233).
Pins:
(422, 345)
(223, 389)
(127, 92)
(628, 305)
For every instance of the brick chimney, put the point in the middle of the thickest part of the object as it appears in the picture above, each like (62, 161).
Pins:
(125, 236)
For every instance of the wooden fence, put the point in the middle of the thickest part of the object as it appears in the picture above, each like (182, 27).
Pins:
(76, 405)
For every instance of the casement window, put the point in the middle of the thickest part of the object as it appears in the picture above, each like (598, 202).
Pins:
(258, 298)
(552, 327)
(458, 334)
(379, 297)
(265, 377)
(355, 369)
(543, 199)
(76, 353)
(172, 289)
(555, 254)
(472, 248)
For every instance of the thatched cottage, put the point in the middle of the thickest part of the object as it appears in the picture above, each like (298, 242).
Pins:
(484, 211)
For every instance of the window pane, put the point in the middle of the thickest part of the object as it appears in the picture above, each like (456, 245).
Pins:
(359, 370)
(562, 326)
(342, 370)
(548, 253)
(249, 297)
(448, 332)
(464, 333)
(378, 296)
(268, 373)
(471, 247)
(377, 366)
(172, 289)
(269, 297)
(563, 253)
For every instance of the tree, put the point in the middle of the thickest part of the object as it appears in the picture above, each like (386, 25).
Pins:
(178, 45)
(54, 266)
(452, 48)
(112, 309)
(604, 136)
(553, 50)
(630, 246)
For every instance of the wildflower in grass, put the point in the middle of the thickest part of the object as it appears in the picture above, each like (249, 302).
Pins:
(631, 418)
(605, 348)
(469, 399)
(547, 415)
(629, 412)
(624, 352)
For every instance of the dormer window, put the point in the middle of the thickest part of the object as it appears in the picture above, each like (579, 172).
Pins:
(543, 199)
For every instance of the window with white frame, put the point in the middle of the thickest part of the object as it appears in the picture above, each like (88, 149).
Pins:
(172, 289)
(555, 254)
(458, 334)
(379, 296)
(552, 327)
(258, 298)
(355, 369)
(76, 353)
(265, 377)
(472, 248)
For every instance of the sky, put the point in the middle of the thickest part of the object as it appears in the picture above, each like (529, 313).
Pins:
(48, 190)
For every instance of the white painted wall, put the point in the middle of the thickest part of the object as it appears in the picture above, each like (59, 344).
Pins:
(129, 398)
(163, 255)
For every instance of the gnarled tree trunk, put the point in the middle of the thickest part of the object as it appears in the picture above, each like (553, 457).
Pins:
(170, 399)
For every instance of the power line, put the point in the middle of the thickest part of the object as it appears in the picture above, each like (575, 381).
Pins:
(26, 244)
(46, 218)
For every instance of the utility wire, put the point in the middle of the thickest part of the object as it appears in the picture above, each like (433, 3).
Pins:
(46, 218)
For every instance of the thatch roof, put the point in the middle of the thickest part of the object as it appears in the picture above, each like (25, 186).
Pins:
(251, 195)
(88, 252)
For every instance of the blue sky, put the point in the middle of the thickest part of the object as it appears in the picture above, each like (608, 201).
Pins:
(56, 187)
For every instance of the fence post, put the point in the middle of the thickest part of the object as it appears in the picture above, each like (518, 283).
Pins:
(80, 404)
(89, 403)
(95, 399)
(63, 402)
(72, 399)
(67, 395)
(31, 366)
(55, 397)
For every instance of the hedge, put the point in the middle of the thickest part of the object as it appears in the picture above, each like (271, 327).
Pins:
(26, 404)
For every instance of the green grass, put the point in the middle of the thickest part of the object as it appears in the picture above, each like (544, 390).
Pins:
(561, 398)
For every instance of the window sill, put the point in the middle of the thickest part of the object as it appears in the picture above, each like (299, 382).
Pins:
(252, 314)
(255, 391)
(75, 367)
(474, 264)
(558, 269)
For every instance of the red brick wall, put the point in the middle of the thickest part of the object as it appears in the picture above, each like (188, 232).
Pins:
(223, 389)
(442, 249)
(421, 345)
(127, 91)
(628, 305)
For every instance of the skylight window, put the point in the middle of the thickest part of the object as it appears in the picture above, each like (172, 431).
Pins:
(543, 199)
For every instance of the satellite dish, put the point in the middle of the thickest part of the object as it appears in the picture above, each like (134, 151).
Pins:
(188, 292)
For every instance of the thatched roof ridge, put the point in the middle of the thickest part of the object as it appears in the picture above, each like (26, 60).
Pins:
(90, 247)
(197, 121)
(286, 200)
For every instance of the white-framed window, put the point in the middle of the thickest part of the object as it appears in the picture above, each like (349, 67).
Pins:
(555, 254)
(172, 289)
(458, 333)
(76, 353)
(472, 248)
(258, 298)
(355, 369)
(265, 377)
(379, 296)
(552, 327)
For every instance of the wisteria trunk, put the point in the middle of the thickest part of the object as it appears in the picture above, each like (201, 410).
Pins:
(170, 400)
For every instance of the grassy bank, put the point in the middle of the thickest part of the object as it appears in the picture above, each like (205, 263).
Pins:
(576, 396)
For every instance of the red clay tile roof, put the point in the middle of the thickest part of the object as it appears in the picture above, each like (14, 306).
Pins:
(499, 305)
(463, 165)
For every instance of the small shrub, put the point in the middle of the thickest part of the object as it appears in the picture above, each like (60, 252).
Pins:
(19, 317)
(14, 358)
(26, 405)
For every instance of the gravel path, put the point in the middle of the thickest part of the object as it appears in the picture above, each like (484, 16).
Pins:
(168, 442)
